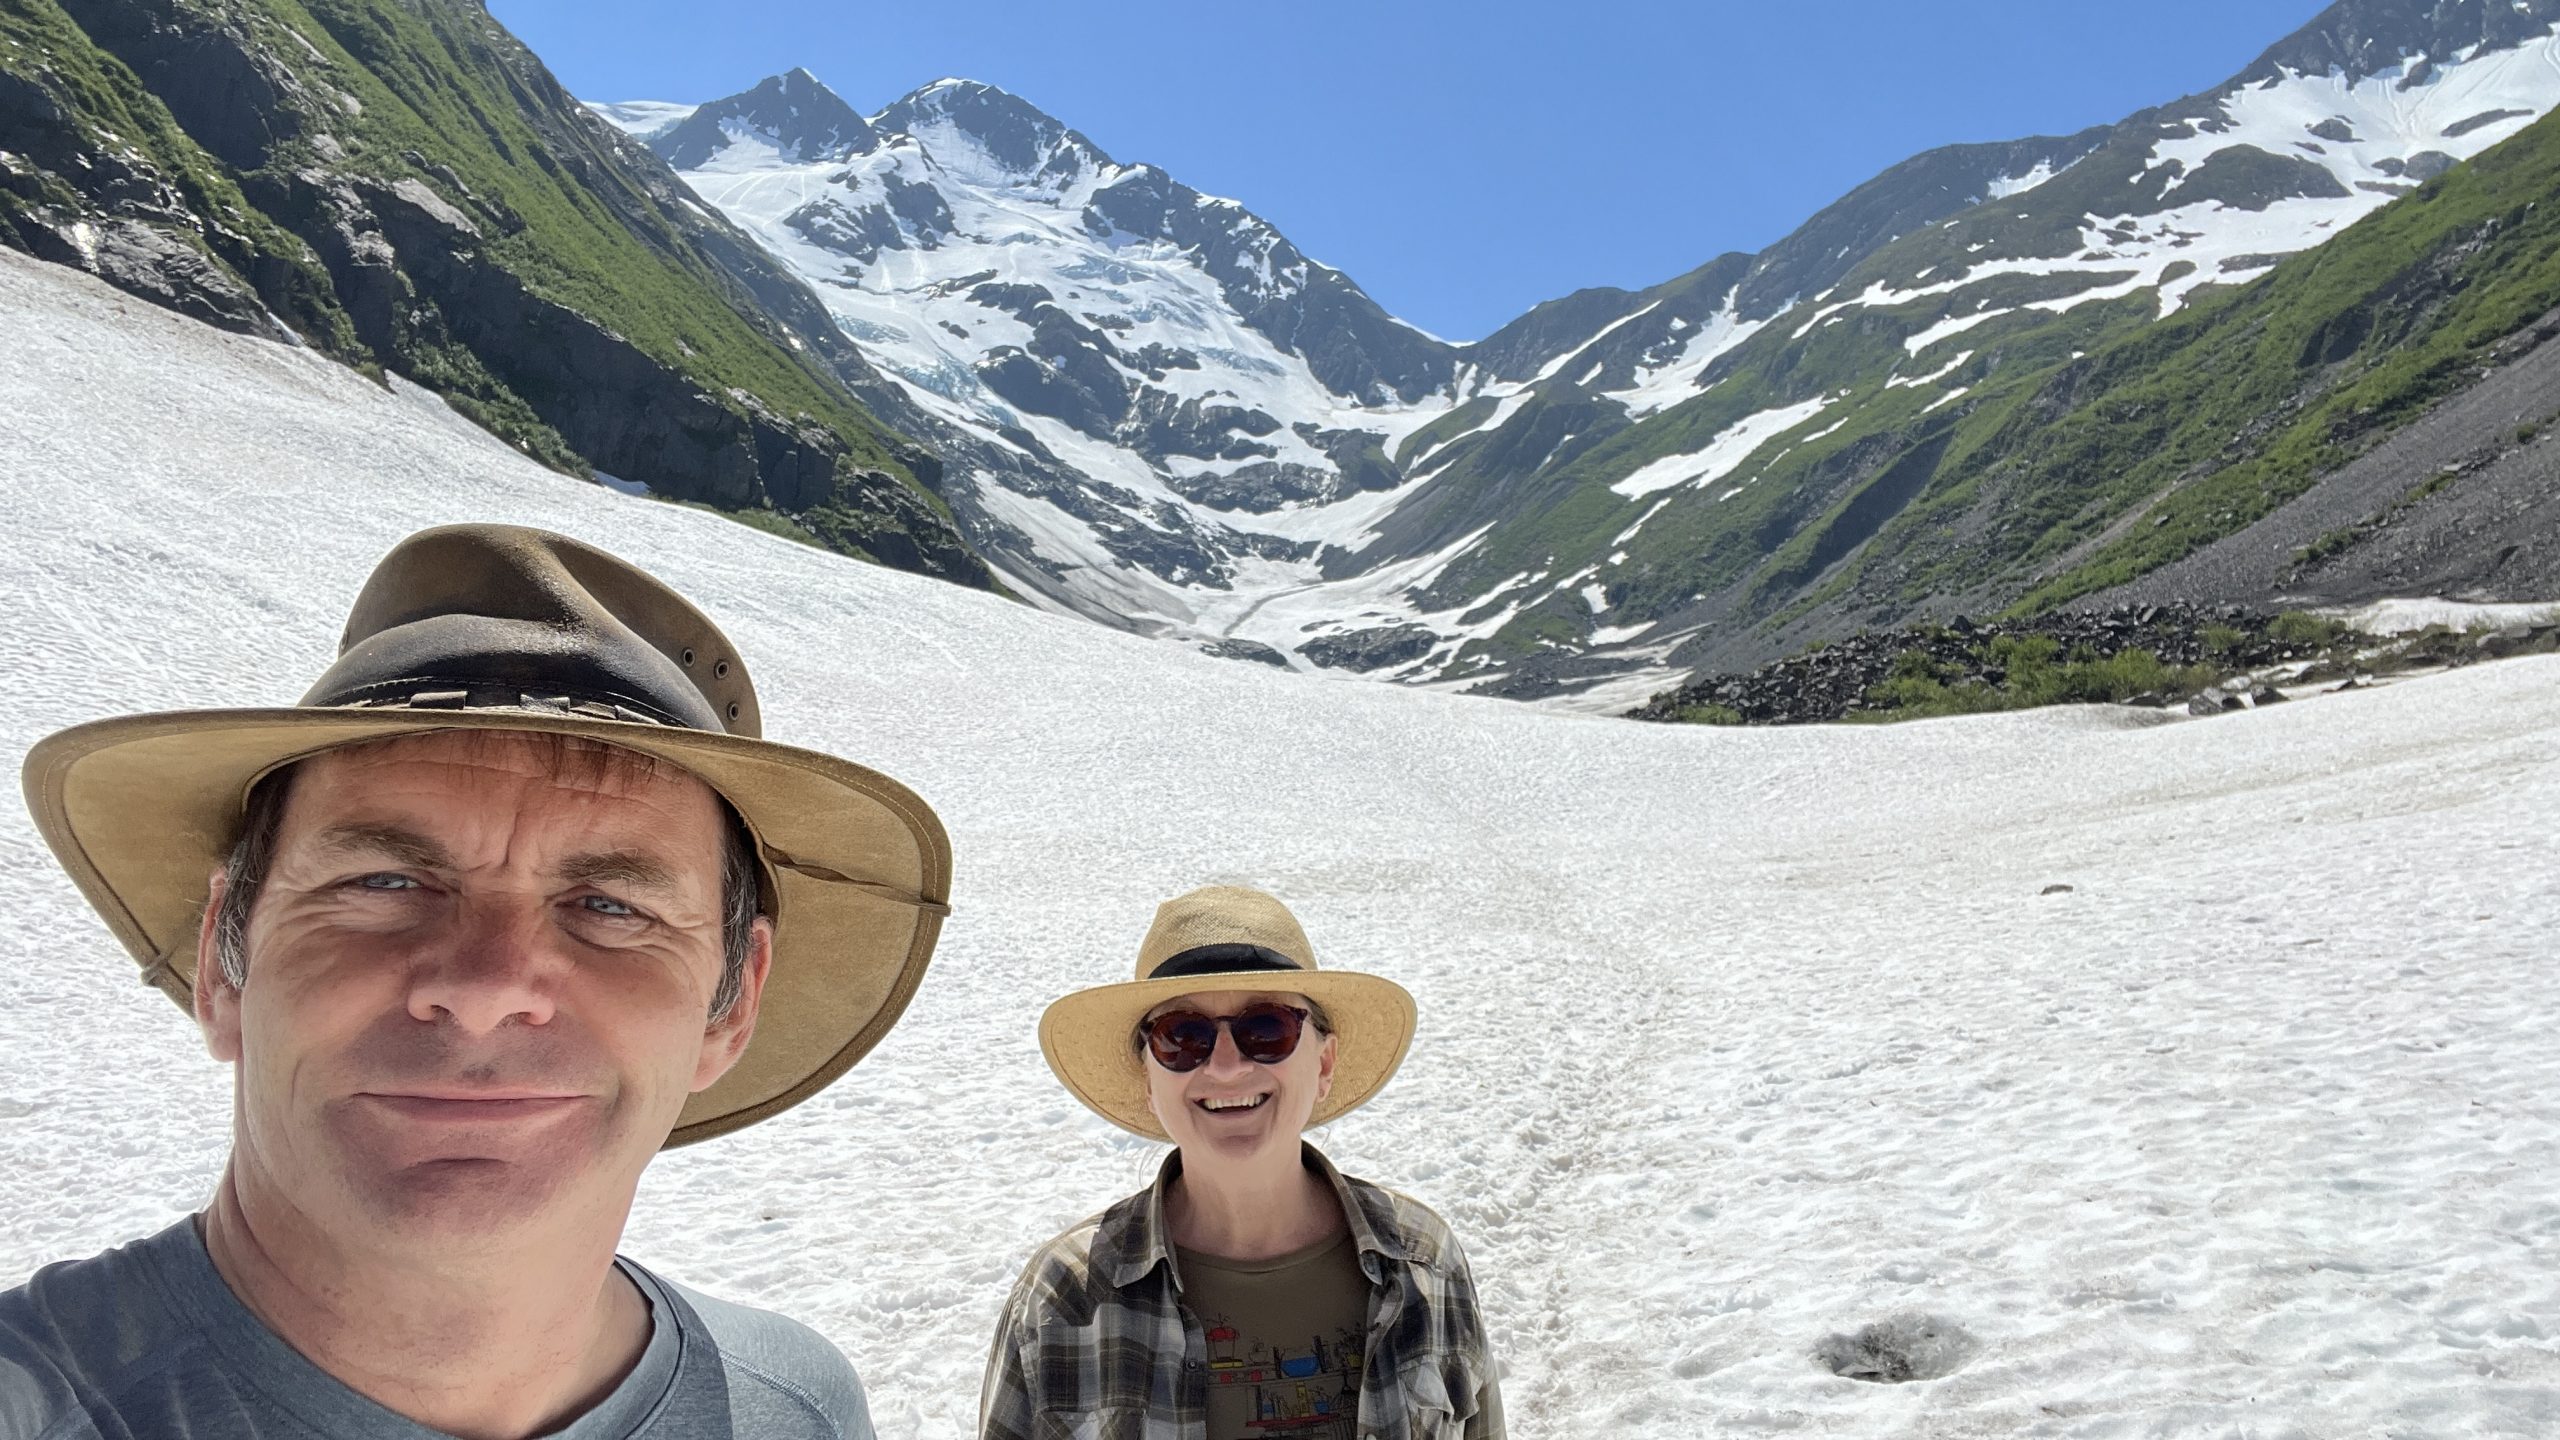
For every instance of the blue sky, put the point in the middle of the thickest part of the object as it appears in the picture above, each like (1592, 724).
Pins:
(1463, 162)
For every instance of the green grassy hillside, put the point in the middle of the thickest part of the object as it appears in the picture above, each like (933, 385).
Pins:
(2027, 460)
(407, 185)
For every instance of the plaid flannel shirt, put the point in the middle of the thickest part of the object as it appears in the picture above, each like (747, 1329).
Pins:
(1096, 1344)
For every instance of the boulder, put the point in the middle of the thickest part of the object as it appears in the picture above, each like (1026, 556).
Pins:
(1372, 649)
(1253, 650)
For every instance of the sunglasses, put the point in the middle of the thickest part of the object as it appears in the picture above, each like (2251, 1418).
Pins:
(1266, 1033)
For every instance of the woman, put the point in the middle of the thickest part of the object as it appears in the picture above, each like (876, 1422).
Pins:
(1253, 1291)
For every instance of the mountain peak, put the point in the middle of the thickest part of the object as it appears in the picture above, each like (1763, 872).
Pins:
(2360, 38)
(802, 118)
(1017, 135)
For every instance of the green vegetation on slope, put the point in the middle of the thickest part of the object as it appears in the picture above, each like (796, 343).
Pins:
(2267, 389)
(53, 79)
(2038, 455)
(405, 184)
(439, 86)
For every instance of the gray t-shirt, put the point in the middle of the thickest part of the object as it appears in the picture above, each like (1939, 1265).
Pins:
(146, 1342)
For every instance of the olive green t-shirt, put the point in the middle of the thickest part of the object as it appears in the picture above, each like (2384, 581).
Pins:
(1286, 1338)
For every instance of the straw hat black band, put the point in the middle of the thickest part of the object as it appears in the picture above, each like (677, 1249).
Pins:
(1222, 933)
(1222, 960)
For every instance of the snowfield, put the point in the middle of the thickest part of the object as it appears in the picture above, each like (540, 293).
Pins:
(1731, 1041)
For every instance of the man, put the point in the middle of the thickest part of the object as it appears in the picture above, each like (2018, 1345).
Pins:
(514, 897)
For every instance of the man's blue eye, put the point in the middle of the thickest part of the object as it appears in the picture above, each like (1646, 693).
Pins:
(607, 905)
(388, 882)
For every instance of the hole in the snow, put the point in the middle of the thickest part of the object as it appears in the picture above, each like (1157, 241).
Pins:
(1903, 1348)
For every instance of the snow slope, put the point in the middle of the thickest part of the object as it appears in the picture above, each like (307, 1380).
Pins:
(1731, 1041)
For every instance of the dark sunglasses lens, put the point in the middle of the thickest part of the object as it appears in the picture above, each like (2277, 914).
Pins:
(1182, 1040)
(1265, 1034)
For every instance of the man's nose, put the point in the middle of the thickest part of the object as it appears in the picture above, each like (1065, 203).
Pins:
(496, 966)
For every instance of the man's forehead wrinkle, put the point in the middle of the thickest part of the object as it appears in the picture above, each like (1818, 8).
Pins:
(395, 841)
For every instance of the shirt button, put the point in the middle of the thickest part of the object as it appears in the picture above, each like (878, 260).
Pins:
(1190, 1364)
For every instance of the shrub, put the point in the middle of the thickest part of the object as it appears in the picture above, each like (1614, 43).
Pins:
(2302, 628)
(2221, 639)
(1707, 715)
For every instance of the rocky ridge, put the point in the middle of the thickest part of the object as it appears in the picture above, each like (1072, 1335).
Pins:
(2197, 660)
(309, 175)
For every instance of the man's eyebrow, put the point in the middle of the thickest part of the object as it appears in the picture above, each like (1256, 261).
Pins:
(390, 841)
(619, 867)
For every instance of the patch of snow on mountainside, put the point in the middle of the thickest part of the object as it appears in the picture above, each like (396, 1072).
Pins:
(2004, 186)
(643, 118)
(1731, 1041)
(1941, 373)
(2377, 137)
(1556, 365)
(1722, 454)
(1660, 387)
(2366, 142)
(1952, 325)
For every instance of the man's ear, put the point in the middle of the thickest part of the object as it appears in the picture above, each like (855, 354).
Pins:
(727, 1037)
(216, 999)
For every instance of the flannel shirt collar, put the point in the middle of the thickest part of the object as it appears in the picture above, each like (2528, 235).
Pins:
(1132, 1239)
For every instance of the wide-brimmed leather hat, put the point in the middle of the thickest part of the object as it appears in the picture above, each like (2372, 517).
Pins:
(1222, 937)
(498, 627)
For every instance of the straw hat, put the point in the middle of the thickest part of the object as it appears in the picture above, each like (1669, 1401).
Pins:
(497, 627)
(1223, 937)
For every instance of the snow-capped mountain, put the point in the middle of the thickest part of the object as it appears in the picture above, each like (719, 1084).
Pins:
(1207, 434)
(1214, 393)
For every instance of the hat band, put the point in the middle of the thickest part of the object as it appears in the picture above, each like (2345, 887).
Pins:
(444, 694)
(1223, 960)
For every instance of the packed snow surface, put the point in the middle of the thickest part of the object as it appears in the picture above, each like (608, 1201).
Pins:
(2402, 616)
(1733, 1042)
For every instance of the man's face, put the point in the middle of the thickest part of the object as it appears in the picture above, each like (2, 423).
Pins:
(1232, 1109)
(478, 986)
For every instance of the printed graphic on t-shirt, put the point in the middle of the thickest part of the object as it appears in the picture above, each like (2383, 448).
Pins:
(1306, 1391)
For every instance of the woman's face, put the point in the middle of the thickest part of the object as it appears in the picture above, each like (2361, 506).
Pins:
(1232, 1110)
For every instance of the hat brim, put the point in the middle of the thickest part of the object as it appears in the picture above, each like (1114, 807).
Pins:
(1089, 1037)
(141, 808)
